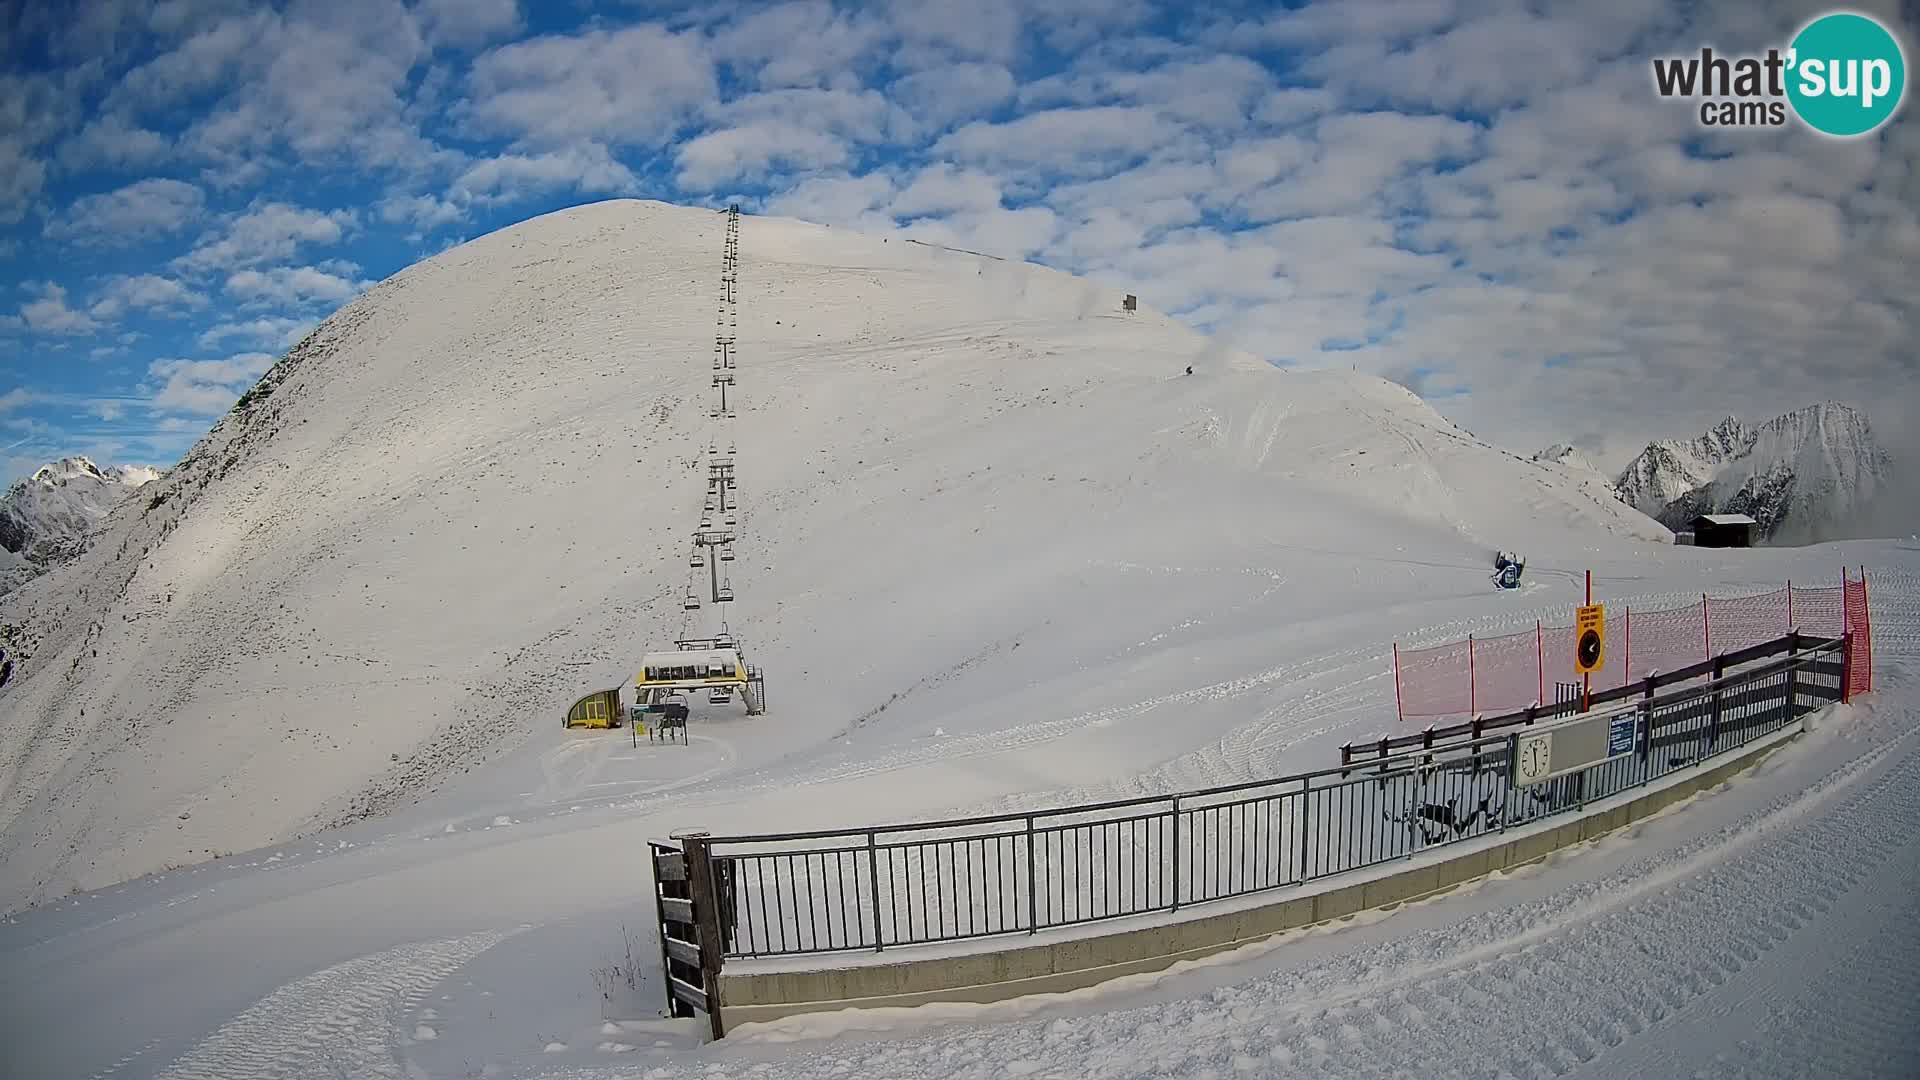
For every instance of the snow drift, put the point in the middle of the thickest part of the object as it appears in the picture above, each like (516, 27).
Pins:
(464, 500)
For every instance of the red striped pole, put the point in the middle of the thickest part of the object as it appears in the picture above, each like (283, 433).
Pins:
(1866, 625)
(1473, 694)
(1399, 709)
(1789, 605)
(1586, 680)
(1626, 676)
(1706, 625)
(1540, 660)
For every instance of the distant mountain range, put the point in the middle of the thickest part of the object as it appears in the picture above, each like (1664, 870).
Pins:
(46, 518)
(1812, 474)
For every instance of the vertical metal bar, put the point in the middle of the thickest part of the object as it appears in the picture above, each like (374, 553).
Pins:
(1176, 906)
(873, 883)
(1306, 794)
(813, 929)
(1033, 922)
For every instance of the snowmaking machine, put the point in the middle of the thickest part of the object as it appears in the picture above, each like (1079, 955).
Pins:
(1507, 568)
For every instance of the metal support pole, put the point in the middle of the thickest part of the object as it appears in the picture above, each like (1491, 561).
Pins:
(1306, 793)
(706, 913)
(873, 882)
(1033, 919)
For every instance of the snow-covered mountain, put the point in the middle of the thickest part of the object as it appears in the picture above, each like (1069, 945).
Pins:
(1811, 474)
(45, 518)
(971, 491)
(1570, 456)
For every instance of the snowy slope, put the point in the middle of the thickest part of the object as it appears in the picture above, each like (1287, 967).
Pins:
(967, 487)
(1814, 473)
(45, 518)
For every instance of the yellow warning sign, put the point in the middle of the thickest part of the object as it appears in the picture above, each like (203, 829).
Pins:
(1590, 639)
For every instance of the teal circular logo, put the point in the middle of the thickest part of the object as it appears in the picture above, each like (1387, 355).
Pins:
(1847, 74)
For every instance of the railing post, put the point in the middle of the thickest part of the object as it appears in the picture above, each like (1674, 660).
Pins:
(1846, 660)
(1033, 919)
(1713, 718)
(873, 883)
(706, 914)
(1646, 728)
(1793, 675)
(1176, 854)
(1305, 794)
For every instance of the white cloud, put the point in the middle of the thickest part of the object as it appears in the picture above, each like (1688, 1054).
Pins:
(804, 43)
(49, 313)
(140, 211)
(851, 201)
(420, 211)
(1069, 141)
(943, 189)
(263, 332)
(587, 168)
(941, 96)
(267, 231)
(293, 285)
(749, 152)
(631, 86)
(114, 142)
(466, 23)
(16, 398)
(205, 387)
(148, 292)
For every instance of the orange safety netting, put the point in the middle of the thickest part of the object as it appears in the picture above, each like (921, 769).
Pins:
(1513, 671)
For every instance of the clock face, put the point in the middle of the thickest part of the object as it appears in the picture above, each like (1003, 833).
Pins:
(1534, 759)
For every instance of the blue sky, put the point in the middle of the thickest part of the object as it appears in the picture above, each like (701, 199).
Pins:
(1484, 201)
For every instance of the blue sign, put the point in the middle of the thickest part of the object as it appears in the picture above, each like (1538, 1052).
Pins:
(1620, 731)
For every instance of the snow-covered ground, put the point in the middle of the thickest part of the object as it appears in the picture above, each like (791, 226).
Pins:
(996, 552)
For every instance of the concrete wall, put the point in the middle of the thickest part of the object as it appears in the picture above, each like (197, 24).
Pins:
(1036, 965)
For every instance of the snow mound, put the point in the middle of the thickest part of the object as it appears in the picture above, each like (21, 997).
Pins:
(464, 500)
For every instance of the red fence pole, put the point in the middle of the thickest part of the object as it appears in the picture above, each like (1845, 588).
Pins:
(1866, 624)
(1706, 625)
(1789, 605)
(1627, 675)
(1473, 690)
(1399, 709)
(1540, 660)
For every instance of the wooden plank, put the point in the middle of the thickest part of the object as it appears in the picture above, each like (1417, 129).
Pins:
(692, 995)
(683, 951)
(680, 911)
(670, 867)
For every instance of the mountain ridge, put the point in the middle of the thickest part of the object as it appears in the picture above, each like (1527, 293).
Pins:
(1810, 474)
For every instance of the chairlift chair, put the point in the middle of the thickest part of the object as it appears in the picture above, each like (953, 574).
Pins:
(719, 695)
(698, 560)
(692, 602)
(724, 594)
(726, 553)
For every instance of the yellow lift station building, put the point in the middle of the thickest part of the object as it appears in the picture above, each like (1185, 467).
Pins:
(719, 671)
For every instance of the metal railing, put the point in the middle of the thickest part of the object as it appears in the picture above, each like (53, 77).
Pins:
(885, 886)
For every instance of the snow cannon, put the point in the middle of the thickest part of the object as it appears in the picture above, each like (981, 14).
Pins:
(1507, 568)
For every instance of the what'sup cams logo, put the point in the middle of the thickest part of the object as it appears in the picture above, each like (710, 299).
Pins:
(1843, 75)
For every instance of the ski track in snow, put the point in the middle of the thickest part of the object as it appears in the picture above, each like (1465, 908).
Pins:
(338, 1022)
